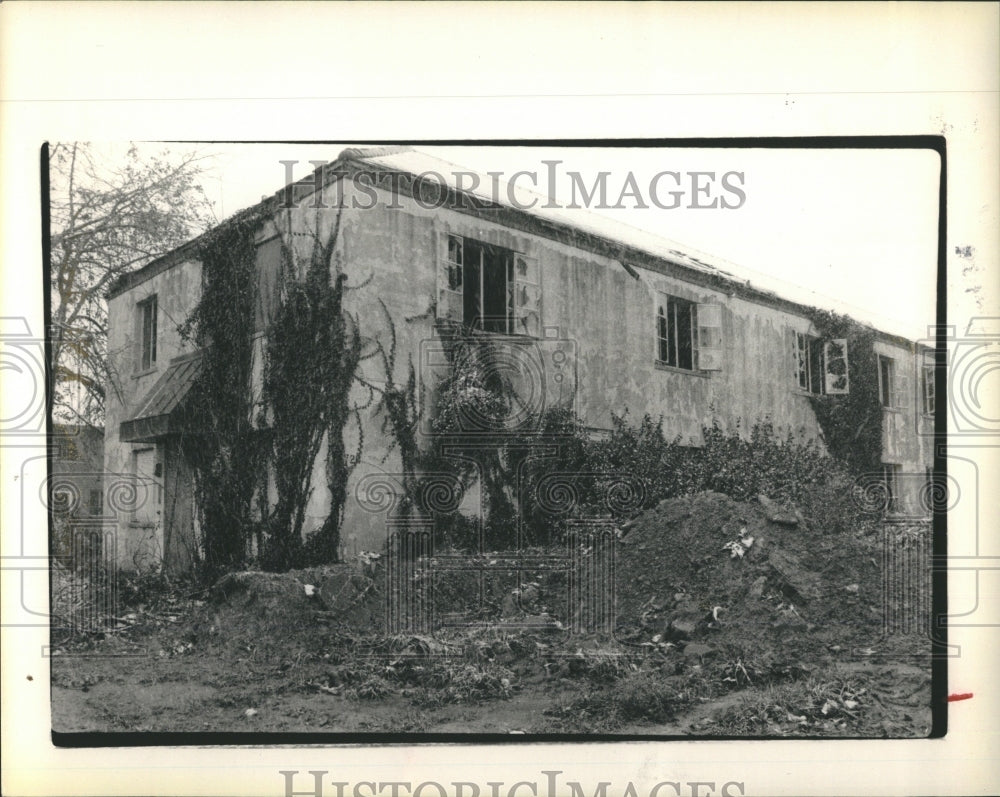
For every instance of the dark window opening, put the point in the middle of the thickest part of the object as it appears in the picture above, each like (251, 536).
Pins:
(929, 399)
(497, 288)
(675, 320)
(147, 323)
(885, 380)
(809, 363)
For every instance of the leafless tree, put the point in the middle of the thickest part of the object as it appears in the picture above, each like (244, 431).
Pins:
(112, 209)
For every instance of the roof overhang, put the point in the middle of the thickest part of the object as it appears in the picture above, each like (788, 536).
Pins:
(160, 412)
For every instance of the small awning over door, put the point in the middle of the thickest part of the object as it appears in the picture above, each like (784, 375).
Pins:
(158, 413)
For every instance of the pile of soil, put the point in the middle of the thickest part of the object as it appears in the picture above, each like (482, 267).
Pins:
(707, 568)
(299, 608)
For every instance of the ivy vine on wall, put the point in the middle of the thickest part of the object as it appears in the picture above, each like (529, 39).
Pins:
(310, 359)
(223, 448)
(312, 355)
(852, 423)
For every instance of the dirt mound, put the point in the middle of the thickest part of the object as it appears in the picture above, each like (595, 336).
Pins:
(299, 609)
(342, 592)
(711, 569)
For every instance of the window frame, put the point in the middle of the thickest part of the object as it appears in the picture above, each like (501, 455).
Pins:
(668, 307)
(146, 345)
(928, 393)
(887, 383)
(516, 294)
(809, 348)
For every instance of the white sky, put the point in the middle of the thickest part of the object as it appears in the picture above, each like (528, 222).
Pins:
(857, 229)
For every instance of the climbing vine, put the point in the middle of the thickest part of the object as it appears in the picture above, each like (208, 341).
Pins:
(223, 447)
(852, 423)
(312, 355)
(309, 363)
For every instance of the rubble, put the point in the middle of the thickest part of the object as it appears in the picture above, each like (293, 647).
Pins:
(787, 583)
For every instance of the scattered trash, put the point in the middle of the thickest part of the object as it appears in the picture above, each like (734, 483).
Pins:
(738, 548)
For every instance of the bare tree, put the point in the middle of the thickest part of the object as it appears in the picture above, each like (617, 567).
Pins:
(112, 209)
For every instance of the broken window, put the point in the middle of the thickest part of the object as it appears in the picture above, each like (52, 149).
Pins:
(809, 362)
(147, 333)
(489, 287)
(820, 365)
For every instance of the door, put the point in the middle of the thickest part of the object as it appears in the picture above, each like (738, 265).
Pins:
(146, 536)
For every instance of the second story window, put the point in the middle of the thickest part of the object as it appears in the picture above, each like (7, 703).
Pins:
(820, 365)
(886, 381)
(676, 330)
(688, 334)
(147, 333)
(927, 372)
(489, 287)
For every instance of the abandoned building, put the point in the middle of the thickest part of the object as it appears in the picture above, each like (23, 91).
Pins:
(608, 321)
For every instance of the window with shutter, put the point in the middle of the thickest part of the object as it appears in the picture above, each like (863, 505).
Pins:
(927, 372)
(886, 381)
(678, 334)
(820, 366)
(488, 287)
(709, 339)
(835, 366)
(450, 278)
(525, 310)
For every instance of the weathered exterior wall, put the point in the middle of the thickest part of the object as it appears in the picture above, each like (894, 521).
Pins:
(907, 433)
(141, 536)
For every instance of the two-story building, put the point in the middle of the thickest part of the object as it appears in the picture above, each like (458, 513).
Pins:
(634, 322)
